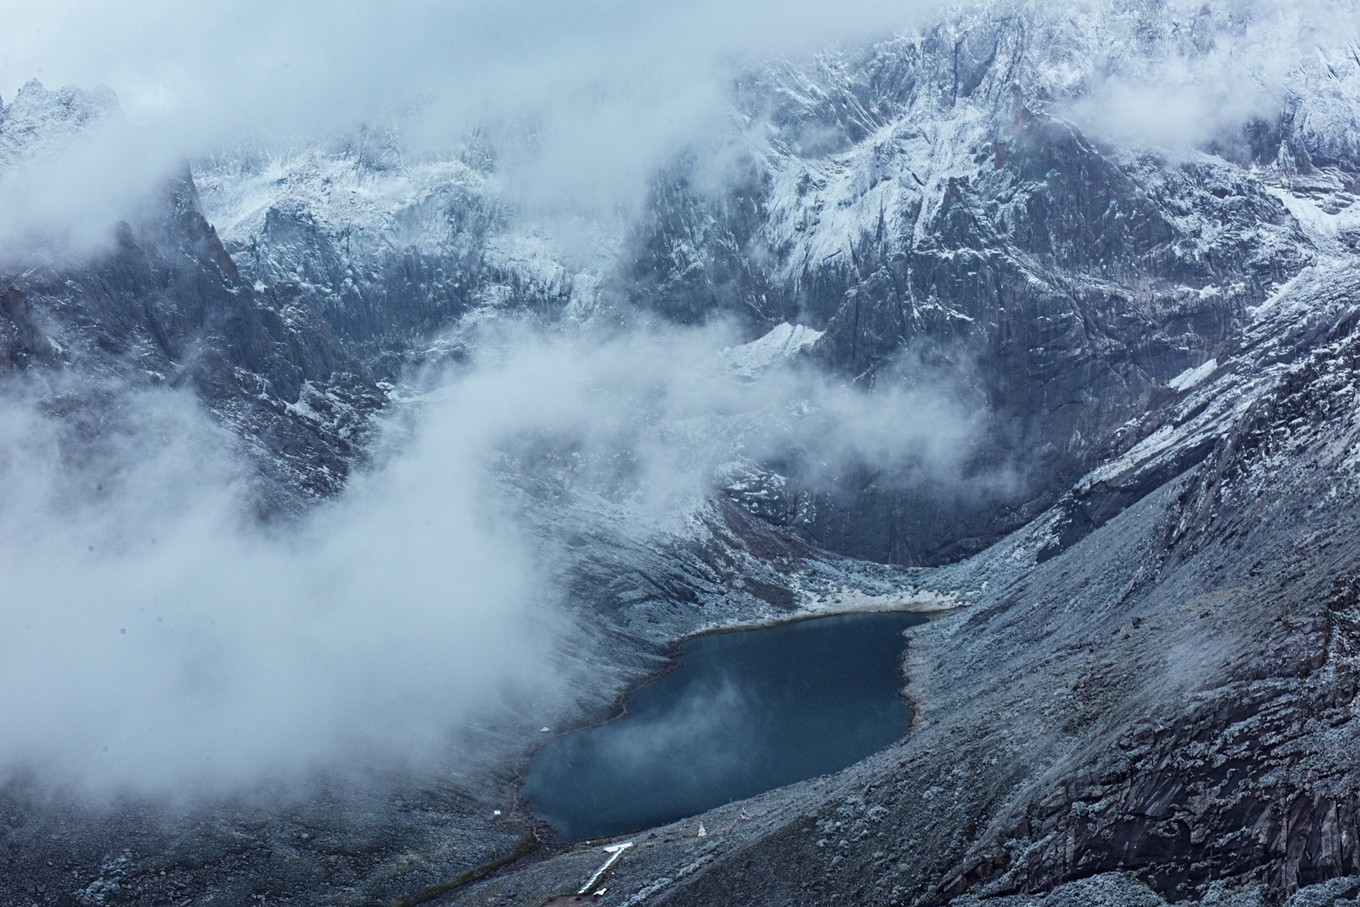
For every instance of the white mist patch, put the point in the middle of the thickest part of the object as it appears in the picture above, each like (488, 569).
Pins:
(1199, 72)
(70, 168)
(153, 637)
(651, 418)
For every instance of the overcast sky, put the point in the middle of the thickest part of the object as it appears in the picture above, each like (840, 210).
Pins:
(204, 74)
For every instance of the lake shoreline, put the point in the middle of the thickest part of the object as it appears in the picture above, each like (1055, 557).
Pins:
(803, 684)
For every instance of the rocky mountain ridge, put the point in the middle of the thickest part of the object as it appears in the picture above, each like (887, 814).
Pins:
(167, 305)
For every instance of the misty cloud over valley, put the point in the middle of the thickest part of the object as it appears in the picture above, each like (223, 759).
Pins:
(159, 638)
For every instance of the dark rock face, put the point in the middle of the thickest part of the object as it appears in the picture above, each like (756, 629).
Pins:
(22, 342)
(1062, 280)
(406, 296)
(168, 306)
(694, 255)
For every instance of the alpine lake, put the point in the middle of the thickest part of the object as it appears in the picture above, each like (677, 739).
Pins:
(742, 713)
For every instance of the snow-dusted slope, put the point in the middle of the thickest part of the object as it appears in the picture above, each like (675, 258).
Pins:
(781, 342)
(38, 121)
(993, 197)
(389, 249)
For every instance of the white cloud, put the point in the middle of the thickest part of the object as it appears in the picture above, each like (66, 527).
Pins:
(1200, 72)
(602, 89)
(153, 637)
